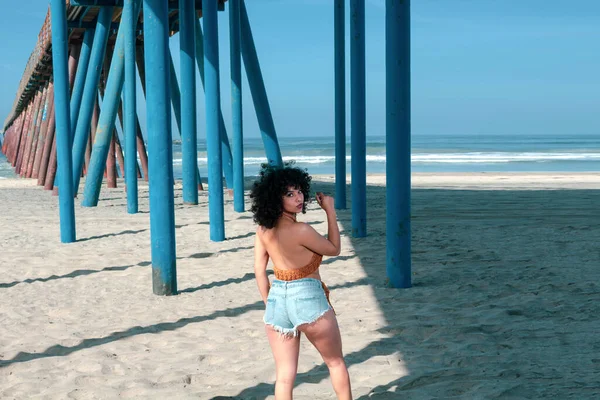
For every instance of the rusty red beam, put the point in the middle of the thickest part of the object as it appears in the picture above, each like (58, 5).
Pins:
(48, 146)
(21, 162)
(44, 132)
(28, 169)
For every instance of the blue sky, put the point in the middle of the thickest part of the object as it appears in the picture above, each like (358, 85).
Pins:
(478, 66)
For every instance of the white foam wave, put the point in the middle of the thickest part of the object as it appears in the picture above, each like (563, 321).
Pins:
(436, 158)
(502, 157)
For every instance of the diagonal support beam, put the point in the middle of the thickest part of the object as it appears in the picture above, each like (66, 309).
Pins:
(89, 93)
(259, 92)
(106, 122)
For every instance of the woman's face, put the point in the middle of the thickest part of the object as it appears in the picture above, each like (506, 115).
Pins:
(293, 200)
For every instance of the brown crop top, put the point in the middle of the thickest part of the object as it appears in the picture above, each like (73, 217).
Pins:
(293, 274)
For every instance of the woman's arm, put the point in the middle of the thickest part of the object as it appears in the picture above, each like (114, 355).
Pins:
(317, 243)
(312, 240)
(261, 258)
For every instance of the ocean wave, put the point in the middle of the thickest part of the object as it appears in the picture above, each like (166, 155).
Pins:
(501, 157)
(298, 160)
(437, 158)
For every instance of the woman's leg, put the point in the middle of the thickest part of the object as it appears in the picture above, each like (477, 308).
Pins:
(285, 351)
(324, 334)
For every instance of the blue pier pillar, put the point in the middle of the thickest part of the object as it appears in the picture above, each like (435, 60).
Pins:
(176, 102)
(226, 156)
(340, 103)
(189, 138)
(80, 75)
(175, 93)
(63, 130)
(90, 93)
(160, 147)
(358, 118)
(236, 105)
(106, 120)
(139, 57)
(258, 91)
(398, 140)
(213, 143)
(129, 24)
(225, 148)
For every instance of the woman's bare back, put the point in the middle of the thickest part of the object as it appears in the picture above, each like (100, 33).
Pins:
(284, 245)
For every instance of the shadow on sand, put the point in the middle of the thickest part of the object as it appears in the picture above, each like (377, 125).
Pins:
(455, 235)
(471, 318)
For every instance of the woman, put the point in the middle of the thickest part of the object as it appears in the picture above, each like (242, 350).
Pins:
(297, 302)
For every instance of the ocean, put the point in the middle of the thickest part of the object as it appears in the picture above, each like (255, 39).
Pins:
(433, 153)
(430, 153)
(6, 170)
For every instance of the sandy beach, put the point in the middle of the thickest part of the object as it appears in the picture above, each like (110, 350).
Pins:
(505, 302)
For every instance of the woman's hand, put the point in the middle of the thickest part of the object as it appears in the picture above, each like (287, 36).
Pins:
(326, 202)
(330, 246)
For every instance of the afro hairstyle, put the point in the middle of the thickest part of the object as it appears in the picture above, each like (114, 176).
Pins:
(268, 191)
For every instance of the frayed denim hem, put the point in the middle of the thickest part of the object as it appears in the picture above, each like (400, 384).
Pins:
(293, 332)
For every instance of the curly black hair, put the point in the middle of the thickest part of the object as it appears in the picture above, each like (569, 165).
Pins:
(268, 191)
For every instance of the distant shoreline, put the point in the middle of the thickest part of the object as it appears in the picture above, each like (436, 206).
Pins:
(419, 180)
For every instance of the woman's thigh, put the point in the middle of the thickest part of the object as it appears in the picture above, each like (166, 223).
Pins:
(285, 352)
(324, 334)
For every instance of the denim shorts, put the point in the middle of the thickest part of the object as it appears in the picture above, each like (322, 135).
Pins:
(294, 303)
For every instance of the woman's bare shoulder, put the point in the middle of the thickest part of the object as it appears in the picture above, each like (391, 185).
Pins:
(260, 231)
(302, 228)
